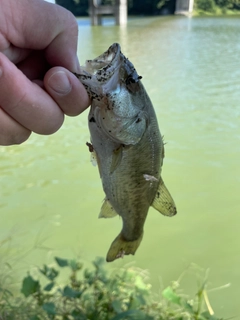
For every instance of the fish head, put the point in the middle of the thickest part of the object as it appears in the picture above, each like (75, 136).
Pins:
(111, 74)
(117, 95)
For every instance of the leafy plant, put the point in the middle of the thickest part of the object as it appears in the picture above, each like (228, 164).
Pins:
(228, 4)
(205, 5)
(94, 294)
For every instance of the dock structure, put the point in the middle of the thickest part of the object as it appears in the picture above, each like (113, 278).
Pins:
(118, 10)
(184, 7)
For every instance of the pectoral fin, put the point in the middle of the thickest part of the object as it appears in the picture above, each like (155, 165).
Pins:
(163, 201)
(116, 158)
(107, 210)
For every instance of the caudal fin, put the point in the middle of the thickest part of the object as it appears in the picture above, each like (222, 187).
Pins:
(121, 247)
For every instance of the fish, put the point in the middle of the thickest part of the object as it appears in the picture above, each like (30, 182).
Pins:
(127, 145)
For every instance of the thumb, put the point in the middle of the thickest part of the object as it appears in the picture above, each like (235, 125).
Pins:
(67, 91)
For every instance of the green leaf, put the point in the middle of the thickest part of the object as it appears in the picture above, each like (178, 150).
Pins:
(49, 286)
(133, 315)
(49, 273)
(62, 262)
(187, 307)
(78, 315)
(75, 265)
(139, 283)
(206, 315)
(117, 306)
(170, 295)
(70, 293)
(49, 307)
(29, 286)
(136, 301)
(99, 262)
(89, 276)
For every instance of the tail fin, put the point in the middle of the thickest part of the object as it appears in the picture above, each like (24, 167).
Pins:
(121, 247)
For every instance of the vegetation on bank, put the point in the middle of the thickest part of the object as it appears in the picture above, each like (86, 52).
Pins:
(95, 294)
(216, 7)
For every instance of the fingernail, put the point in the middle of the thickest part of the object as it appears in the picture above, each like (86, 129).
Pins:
(59, 82)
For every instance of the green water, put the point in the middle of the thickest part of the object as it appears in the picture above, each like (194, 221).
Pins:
(50, 194)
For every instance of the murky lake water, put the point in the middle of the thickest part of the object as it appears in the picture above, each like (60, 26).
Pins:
(51, 194)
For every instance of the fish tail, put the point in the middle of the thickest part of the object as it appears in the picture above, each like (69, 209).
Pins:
(121, 247)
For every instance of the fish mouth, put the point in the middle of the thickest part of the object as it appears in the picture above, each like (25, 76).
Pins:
(103, 67)
(107, 72)
(106, 62)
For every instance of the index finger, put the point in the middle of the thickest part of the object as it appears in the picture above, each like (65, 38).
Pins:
(26, 102)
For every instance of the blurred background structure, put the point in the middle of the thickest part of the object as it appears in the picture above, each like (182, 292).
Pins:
(117, 8)
(133, 7)
(82, 8)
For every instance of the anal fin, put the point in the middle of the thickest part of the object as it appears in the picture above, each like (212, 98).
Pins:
(163, 201)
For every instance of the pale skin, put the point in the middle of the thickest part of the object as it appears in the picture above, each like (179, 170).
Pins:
(38, 44)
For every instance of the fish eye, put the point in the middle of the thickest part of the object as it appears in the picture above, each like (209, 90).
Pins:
(129, 80)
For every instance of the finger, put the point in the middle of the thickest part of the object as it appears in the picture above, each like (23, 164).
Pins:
(34, 66)
(66, 90)
(11, 132)
(15, 54)
(41, 25)
(26, 102)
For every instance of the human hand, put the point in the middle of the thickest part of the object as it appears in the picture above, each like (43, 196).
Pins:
(38, 44)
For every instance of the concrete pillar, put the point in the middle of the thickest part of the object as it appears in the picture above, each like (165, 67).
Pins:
(122, 16)
(118, 10)
(184, 7)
